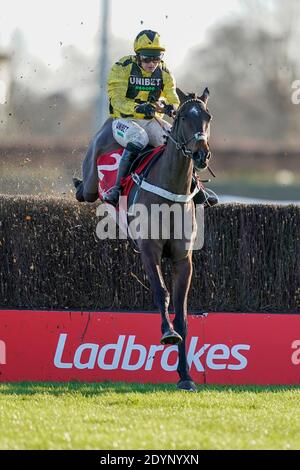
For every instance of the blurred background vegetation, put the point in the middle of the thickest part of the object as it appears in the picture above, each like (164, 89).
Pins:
(249, 64)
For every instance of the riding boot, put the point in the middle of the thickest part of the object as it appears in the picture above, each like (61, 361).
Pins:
(206, 197)
(112, 196)
(212, 200)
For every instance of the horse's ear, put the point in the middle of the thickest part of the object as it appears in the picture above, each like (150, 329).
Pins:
(182, 96)
(205, 95)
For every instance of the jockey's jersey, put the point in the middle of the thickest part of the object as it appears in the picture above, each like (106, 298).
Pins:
(129, 85)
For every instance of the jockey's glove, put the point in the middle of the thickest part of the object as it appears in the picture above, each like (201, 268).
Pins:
(145, 108)
(169, 110)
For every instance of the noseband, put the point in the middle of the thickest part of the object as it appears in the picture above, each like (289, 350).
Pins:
(197, 136)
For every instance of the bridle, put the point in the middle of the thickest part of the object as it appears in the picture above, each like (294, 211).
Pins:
(182, 146)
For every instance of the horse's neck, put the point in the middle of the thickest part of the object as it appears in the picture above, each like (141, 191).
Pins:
(173, 171)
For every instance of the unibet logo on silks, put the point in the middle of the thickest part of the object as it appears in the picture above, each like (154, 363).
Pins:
(217, 356)
(144, 83)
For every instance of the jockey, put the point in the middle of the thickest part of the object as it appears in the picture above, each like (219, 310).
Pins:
(135, 83)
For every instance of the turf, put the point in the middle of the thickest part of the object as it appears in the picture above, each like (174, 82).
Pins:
(134, 416)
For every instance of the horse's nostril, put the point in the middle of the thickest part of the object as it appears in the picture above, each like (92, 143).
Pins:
(200, 158)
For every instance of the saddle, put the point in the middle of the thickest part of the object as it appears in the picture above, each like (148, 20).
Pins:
(108, 163)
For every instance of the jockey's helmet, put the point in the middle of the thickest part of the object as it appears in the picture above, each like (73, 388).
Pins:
(148, 43)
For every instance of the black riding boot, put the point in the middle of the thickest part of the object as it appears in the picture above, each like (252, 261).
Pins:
(112, 196)
(206, 197)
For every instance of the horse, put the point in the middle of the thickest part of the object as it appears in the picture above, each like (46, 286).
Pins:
(170, 180)
(187, 148)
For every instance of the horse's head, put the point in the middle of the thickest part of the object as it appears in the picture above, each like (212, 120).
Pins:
(191, 128)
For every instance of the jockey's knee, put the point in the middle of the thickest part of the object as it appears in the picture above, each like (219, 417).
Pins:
(138, 139)
(128, 132)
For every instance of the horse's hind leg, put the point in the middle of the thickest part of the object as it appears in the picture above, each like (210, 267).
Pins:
(152, 263)
(182, 274)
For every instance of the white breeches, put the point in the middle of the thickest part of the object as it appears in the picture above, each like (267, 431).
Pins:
(140, 132)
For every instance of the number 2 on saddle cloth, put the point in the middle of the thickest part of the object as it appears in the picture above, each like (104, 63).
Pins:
(107, 165)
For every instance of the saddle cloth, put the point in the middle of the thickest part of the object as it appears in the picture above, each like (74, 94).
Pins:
(108, 164)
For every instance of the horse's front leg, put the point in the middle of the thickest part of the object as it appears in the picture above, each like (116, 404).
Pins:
(182, 275)
(151, 257)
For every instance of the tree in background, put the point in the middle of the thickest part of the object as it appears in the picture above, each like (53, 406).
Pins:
(249, 65)
(56, 103)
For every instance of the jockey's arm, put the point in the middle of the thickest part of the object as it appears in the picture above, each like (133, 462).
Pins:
(117, 88)
(169, 91)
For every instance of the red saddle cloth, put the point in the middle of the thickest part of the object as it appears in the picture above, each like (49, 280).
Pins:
(108, 164)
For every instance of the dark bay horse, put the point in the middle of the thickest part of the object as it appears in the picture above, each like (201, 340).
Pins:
(187, 147)
(169, 182)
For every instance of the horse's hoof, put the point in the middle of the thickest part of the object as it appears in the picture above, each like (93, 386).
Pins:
(186, 386)
(171, 337)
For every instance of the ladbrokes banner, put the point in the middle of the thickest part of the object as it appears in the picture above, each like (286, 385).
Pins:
(222, 348)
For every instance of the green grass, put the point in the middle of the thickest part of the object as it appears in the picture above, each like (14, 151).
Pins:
(131, 416)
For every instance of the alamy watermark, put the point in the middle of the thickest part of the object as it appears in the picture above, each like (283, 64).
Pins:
(296, 94)
(167, 221)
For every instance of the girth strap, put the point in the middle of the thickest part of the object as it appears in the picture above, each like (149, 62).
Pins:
(163, 192)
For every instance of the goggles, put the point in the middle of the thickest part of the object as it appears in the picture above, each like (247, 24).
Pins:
(147, 59)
